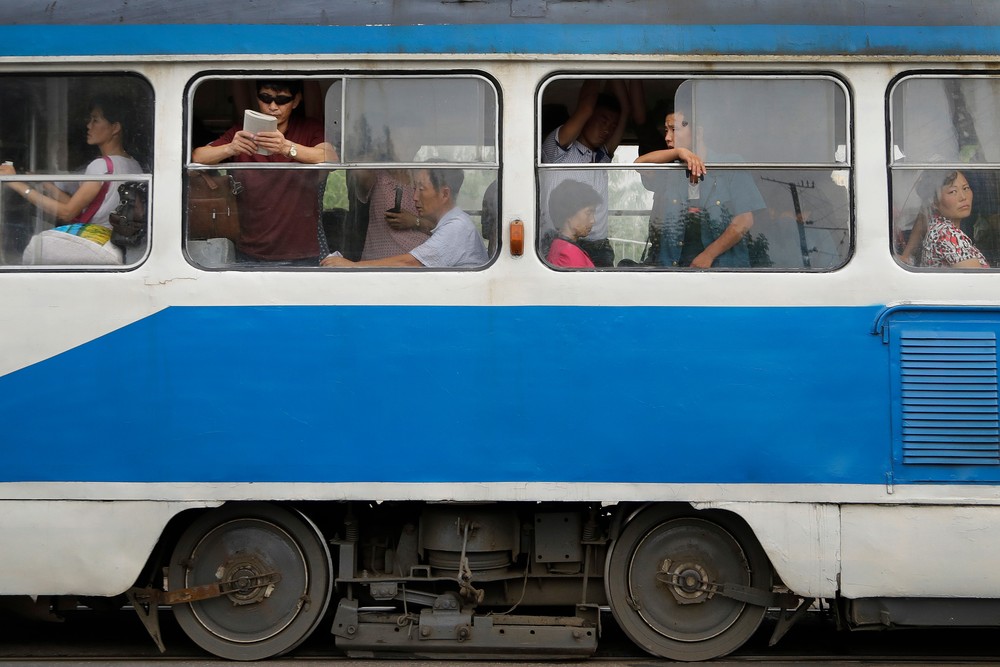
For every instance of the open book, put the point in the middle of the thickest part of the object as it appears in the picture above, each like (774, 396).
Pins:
(255, 121)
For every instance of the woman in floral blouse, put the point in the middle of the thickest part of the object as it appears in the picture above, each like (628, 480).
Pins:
(949, 200)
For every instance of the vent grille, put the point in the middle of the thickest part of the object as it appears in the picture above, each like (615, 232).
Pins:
(949, 398)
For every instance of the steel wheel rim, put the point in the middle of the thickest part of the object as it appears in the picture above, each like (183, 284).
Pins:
(248, 622)
(685, 543)
(268, 616)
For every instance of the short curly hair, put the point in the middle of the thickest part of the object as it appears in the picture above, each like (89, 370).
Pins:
(570, 197)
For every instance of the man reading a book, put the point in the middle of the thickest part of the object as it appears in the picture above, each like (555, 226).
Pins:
(279, 209)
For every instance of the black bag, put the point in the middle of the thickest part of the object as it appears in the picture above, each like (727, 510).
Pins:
(600, 251)
(128, 221)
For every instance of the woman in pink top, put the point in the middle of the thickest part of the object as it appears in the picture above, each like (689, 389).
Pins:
(572, 207)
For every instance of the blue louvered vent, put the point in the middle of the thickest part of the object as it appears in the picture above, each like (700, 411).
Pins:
(949, 398)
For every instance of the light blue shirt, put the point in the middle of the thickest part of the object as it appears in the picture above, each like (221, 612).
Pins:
(455, 242)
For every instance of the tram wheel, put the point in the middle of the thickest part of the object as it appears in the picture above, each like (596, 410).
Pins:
(284, 565)
(655, 576)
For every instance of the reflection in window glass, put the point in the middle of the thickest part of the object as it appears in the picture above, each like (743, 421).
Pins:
(69, 145)
(767, 120)
(774, 197)
(418, 119)
(946, 147)
(946, 119)
(368, 207)
(812, 232)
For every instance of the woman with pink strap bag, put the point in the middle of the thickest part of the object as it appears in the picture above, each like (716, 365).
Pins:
(86, 239)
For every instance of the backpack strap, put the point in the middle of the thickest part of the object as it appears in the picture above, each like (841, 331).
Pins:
(95, 203)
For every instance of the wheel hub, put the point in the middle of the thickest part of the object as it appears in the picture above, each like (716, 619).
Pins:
(249, 584)
(688, 582)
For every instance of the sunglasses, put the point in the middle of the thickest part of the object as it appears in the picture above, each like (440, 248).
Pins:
(267, 98)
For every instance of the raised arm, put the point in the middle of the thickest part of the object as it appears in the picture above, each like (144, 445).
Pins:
(637, 101)
(570, 130)
(621, 92)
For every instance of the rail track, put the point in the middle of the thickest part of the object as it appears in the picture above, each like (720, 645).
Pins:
(91, 638)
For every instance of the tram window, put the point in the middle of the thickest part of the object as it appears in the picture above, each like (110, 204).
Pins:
(358, 201)
(775, 195)
(76, 153)
(945, 171)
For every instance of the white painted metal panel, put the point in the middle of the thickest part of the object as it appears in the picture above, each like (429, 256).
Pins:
(801, 540)
(920, 551)
(79, 547)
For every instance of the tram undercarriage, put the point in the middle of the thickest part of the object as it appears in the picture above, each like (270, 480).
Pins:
(516, 580)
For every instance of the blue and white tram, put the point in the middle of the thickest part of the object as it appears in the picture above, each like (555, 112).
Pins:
(429, 461)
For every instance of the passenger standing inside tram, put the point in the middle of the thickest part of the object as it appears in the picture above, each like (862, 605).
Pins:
(279, 210)
(393, 224)
(393, 227)
(590, 135)
(705, 223)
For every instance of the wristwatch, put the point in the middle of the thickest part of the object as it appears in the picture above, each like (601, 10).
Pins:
(292, 152)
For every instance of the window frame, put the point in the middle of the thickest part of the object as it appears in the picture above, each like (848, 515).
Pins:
(143, 83)
(896, 165)
(188, 165)
(843, 126)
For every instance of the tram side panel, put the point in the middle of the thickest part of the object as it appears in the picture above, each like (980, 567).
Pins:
(773, 409)
(710, 395)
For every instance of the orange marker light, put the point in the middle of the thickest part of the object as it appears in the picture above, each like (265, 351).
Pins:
(516, 238)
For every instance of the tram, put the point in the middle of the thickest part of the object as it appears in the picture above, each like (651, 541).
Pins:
(453, 462)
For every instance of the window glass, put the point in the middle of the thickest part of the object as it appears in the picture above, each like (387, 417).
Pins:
(944, 171)
(775, 195)
(946, 119)
(405, 177)
(77, 152)
(418, 119)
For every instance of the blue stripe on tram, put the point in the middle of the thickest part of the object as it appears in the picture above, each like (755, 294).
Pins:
(770, 39)
(460, 394)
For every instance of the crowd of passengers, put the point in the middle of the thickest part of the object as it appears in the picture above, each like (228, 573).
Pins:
(421, 227)
(412, 218)
(697, 219)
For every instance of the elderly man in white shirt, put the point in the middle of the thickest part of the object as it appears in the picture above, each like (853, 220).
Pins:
(454, 239)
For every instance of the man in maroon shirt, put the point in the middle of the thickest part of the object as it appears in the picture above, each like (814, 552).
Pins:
(279, 209)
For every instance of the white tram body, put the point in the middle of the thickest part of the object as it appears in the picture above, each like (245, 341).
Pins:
(697, 446)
